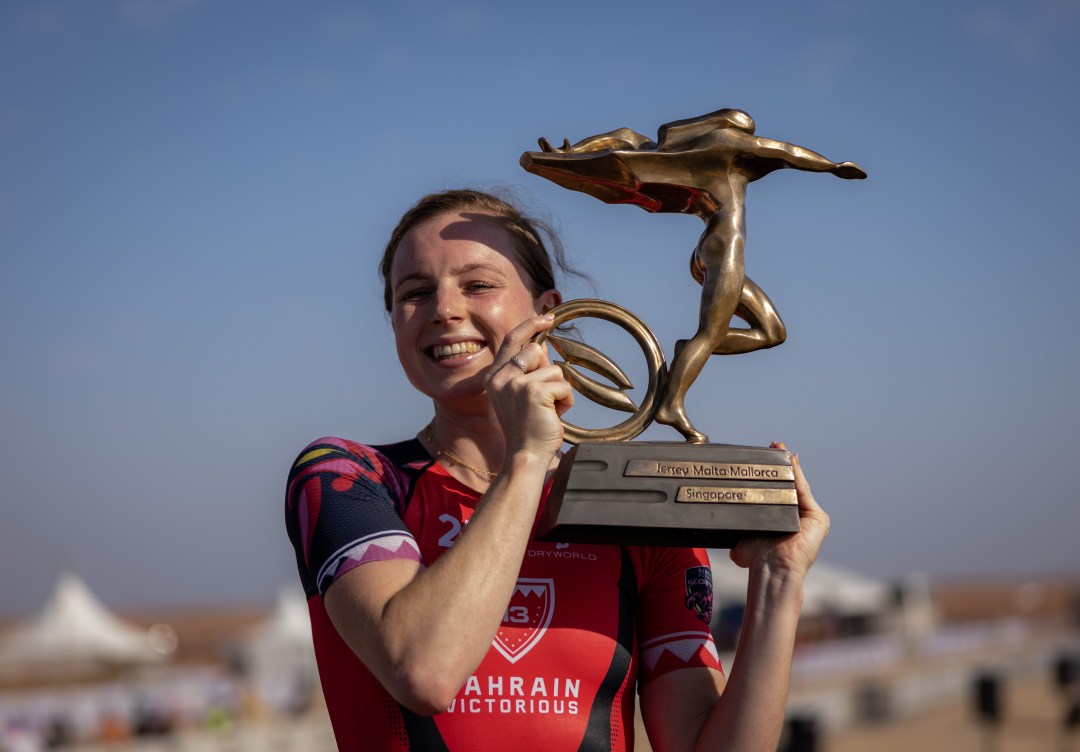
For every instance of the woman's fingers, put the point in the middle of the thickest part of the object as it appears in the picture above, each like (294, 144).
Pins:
(519, 357)
(529, 358)
(802, 486)
(566, 401)
(798, 550)
(529, 393)
(808, 506)
(807, 502)
(529, 406)
(518, 337)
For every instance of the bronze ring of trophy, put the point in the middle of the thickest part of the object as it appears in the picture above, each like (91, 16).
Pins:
(615, 397)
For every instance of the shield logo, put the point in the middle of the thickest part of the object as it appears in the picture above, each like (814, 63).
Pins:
(526, 619)
(699, 587)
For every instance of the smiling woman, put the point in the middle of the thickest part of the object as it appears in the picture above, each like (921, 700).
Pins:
(458, 290)
(439, 621)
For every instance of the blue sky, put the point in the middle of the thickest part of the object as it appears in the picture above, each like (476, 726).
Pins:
(194, 195)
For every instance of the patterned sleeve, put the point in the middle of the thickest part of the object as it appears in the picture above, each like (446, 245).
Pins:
(674, 611)
(342, 509)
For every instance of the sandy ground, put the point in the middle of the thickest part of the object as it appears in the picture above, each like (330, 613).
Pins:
(309, 734)
(1033, 715)
(1033, 722)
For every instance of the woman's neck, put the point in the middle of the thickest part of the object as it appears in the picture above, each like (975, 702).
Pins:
(472, 442)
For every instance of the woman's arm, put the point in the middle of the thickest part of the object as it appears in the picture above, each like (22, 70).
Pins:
(692, 708)
(422, 632)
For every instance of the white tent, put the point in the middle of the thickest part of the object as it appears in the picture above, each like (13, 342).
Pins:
(828, 588)
(845, 591)
(73, 634)
(279, 653)
(288, 627)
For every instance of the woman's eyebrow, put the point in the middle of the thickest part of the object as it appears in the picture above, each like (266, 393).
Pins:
(466, 268)
(414, 275)
(456, 271)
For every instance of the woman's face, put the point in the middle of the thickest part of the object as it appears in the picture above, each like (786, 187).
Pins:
(457, 291)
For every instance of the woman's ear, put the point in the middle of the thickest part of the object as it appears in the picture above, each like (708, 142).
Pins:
(548, 299)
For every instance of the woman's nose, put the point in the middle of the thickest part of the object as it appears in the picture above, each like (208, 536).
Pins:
(448, 305)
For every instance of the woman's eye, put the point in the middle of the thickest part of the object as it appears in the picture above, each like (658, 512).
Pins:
(479, 286)
(417, 293)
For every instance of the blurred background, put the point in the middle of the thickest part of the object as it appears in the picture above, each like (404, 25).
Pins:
(194, 195)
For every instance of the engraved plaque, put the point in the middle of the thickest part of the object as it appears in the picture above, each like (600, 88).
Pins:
(729, 471)
(735, 495)
(613, 492)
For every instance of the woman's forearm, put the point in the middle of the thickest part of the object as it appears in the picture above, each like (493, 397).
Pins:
(425, 639)
(749, 715)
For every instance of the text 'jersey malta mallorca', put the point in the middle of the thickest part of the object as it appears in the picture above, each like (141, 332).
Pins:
(584, 624)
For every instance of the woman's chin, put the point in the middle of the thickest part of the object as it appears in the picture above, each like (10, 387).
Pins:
(455, 386)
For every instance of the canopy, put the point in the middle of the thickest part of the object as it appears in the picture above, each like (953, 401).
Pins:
(288, 627)
(73, 632)
(828, 588)
(280, 655)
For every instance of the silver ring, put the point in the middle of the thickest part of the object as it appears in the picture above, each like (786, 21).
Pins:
(519, 363)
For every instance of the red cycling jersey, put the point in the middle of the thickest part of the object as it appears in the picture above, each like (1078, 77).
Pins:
(584, 625)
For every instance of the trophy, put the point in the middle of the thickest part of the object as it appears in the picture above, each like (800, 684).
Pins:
(609, 489)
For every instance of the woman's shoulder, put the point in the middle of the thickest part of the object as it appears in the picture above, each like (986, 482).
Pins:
(330, 445)
(347, 468)
(370, 457)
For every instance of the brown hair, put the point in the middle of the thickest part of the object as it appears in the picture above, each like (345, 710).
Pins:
(527, 233)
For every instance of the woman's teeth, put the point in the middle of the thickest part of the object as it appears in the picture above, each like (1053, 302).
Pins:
(458, 348)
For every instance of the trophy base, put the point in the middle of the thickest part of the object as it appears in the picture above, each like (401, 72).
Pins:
(670, 494)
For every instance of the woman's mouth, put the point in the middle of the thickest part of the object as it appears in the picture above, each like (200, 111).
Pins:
(456, 350)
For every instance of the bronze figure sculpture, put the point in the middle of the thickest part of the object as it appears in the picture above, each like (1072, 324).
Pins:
(697, 166)
(610, 490)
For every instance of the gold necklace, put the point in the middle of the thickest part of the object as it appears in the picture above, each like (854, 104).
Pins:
(440, 452)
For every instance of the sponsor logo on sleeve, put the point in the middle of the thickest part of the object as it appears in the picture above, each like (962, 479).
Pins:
(699, 592)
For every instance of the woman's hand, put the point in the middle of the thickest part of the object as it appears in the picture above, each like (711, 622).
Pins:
(692, 711)
(527, 393)
(791, 553)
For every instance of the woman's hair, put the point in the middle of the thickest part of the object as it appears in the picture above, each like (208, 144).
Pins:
(527, 234)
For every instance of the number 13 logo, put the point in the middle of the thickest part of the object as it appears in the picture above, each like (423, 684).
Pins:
(516, 615)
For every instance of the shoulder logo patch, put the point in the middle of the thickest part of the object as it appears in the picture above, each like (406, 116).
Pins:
(699, 592)
(526, 619)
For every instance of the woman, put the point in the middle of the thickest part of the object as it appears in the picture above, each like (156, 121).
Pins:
(439, 623)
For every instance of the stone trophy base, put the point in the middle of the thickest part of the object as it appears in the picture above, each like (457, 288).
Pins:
(670, 494)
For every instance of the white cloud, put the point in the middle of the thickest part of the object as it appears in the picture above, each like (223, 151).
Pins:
(347, 23)
(460, 21)
(310, 81)
(289, 81)
(845, 9)
(450, 20)
(394, 58)
(46, 19)
(827, 60)
(1022, 29)
(17, 120)
(152, 15)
